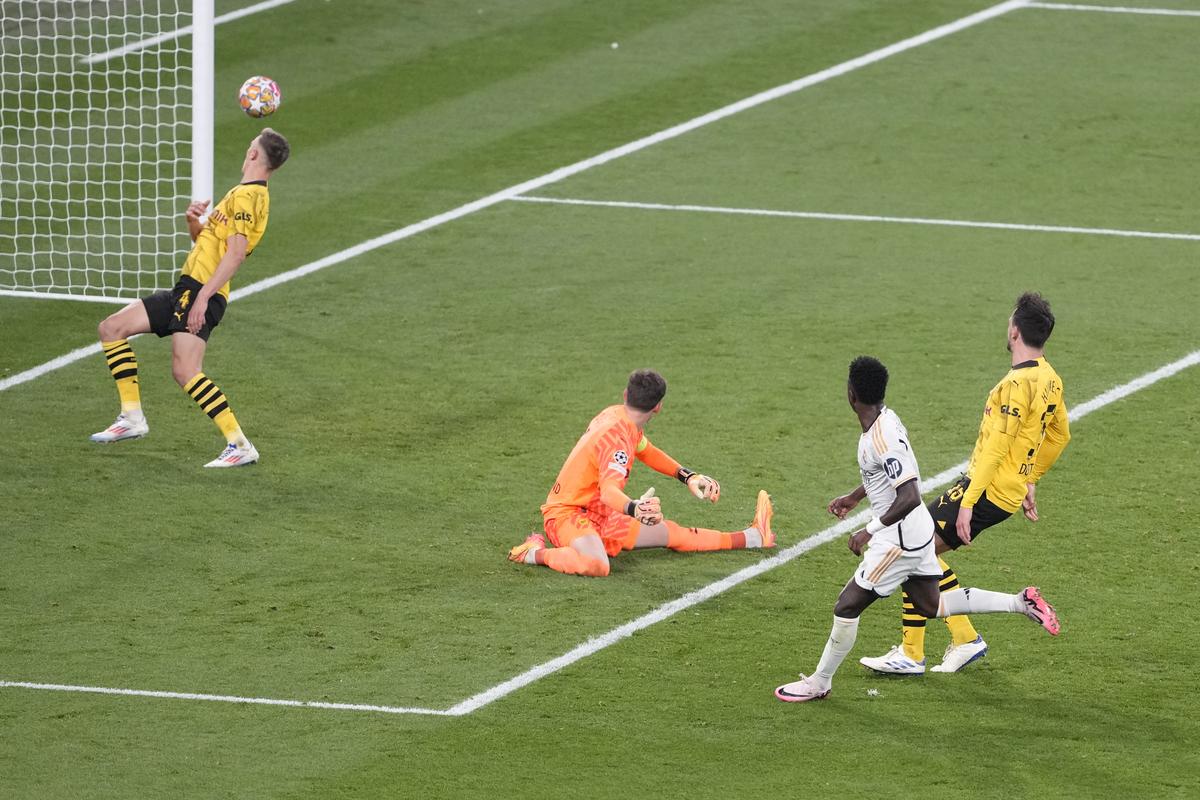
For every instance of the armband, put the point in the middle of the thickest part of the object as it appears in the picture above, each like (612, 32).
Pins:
(875, 526)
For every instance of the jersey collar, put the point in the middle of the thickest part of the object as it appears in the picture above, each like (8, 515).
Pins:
(254, 183)
(1026, 364)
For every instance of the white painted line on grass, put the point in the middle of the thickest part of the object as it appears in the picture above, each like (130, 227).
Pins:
(573, 169)
(49, 366)
(221, 698)
(823, 215)
(1163, 12)
(62, 296)
(186, 30)
(665, 611)
(672, 608)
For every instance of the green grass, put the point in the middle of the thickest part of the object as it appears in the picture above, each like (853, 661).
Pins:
(413, 404)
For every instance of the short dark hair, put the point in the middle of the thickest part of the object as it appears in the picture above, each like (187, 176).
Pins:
(868, 378)
(646, 389)
(275, 146)
(1033, 319)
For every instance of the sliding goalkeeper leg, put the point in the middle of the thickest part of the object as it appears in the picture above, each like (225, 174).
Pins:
(674, 536)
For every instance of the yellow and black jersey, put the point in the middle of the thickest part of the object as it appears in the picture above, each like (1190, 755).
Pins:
(243, 210)
(1024, 429)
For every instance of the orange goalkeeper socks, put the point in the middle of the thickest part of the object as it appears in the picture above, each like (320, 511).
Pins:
(701, 539)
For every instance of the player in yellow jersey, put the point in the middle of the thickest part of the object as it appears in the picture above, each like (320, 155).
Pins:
(189, 312)
(587, 515)
(1023, 432)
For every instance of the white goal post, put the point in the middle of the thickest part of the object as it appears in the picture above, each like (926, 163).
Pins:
(106, 132)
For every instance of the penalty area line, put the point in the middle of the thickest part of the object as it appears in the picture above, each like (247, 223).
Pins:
(746, 103)
(1154, 12)
(826, 215)
(663, 612)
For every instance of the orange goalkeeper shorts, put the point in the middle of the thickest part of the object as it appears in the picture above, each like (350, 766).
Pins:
(617, 531)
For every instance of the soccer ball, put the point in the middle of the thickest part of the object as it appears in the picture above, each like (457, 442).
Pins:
(259, 96)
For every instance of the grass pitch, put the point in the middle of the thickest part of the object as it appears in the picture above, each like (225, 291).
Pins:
(413, 404)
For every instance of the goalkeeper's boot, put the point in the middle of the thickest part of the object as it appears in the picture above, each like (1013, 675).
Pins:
(524, 552)
(959, 655)
(235, 456)
(763, 511)
(894, 662)
(124, 428)
(1038, 610)
(801, 691)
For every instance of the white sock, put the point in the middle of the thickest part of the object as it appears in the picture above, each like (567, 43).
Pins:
(979, 601)
(753, 538)
(841, 639)
(133, 413)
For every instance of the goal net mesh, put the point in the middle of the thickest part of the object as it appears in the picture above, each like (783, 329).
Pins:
(95, 145)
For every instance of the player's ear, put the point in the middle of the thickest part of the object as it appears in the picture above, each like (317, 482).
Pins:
(657, 408)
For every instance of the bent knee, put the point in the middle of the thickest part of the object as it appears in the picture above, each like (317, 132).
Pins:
(183, 374)
(925, 610)
(846, 610)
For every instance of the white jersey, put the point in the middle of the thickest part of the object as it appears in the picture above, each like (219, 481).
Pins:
(887, 461)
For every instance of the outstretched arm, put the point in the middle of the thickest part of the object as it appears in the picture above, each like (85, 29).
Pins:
(841, 506)
(702, 486)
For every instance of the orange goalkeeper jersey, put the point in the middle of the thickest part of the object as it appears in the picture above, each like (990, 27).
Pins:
(604, 453)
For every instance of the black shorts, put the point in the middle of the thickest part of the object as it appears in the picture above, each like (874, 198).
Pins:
(944, 511)
(168, 310)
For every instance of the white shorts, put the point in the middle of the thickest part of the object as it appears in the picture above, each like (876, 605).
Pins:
(885, 566)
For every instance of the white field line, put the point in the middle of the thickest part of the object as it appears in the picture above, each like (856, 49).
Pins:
(1162, 12)
(672, 608)
(186, 30)
(953, 223)
(665, 611)
(220, 698)
(87, 298)
(603, 158)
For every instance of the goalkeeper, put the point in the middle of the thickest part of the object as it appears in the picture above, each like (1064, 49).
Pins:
(589, 518)
(189, 312)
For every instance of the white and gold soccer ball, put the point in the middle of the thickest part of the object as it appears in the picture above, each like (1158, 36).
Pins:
(259, 96)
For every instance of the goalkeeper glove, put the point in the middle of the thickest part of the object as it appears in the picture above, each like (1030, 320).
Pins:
(702, 486)
(646, 509)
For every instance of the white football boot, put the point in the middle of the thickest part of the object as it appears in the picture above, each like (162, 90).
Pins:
(959, 655)
(802, 691)
(123, 428)
(894, 662)
(234, 456)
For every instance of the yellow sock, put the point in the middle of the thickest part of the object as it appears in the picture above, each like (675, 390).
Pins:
(961, 629)
(913, 631)
(122, 363)
(213, 402)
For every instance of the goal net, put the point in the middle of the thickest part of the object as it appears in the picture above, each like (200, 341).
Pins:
(96, 102)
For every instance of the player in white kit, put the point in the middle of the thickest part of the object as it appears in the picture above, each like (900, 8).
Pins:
(899, 538)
